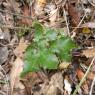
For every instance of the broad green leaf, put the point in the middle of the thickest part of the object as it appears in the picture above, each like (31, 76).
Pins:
(48, 60)
(43, 43)
(38, 27)
(37, 59)
(39, 30)
(48, 49)
(51, 35)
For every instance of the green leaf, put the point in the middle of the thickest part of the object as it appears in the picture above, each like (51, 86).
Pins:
(38, 27)
(62, 48)
(39, 30)
(48, 60)
(43, 44)
(37, 59)
(51, 35)
(48, 49)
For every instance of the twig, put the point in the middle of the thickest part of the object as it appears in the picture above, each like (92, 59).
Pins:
(91, 3)
(16, 14)
(83, 79)
(15, 27)
(92, 85)
(78, 25)
(66, 22)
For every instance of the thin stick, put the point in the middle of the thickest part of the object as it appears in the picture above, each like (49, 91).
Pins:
(28, 17)
(91, 3)
(15, 27)
(83, 79)
(66, 22)
(80, 22)
(92, 85)
(78, 25)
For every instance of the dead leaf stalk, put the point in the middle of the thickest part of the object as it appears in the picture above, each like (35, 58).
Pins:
(92, 85)
(66, 22)
(83, 79)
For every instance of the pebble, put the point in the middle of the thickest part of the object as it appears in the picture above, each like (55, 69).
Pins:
(3, 54)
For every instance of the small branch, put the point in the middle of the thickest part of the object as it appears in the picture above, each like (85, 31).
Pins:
(78, 25)
(92, 85)
(83, 79)
(91, 3)
(16, 14)
(15, 27)
(66, 22)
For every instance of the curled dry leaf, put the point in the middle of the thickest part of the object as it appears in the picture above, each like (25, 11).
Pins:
(16, 70)
(21, 48)
(74, 14)
(89, 52)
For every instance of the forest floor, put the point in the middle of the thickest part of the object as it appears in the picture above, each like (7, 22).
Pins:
(75, 19)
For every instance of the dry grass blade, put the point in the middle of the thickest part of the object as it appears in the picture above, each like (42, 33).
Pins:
(83, 79)
(92, 85)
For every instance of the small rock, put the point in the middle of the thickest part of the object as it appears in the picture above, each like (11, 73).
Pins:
(1, 34)
(7, 35)
(3, 54)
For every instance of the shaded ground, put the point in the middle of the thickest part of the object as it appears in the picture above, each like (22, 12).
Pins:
(75, 17)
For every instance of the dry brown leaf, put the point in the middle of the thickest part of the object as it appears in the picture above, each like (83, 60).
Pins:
(16, 70)
(26, 13)
(55, 84)
(21, 48)
(29, 80)
(80, 74)
(89, 52)
(74, 14)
